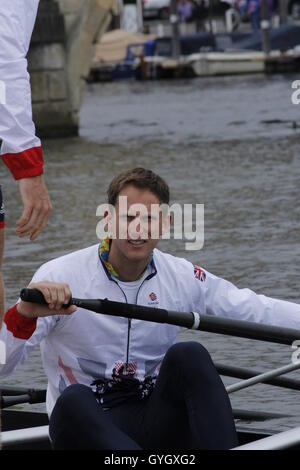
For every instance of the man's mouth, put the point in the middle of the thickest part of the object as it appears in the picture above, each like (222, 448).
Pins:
(137, 242)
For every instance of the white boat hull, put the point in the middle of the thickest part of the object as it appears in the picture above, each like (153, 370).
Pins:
(231, 63)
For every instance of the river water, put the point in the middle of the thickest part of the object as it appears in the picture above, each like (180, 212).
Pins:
(230, 143)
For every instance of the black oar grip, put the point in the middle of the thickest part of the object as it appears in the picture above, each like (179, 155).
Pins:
(33, 295)
(36, 297)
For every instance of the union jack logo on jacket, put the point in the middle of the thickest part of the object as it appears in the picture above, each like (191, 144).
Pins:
(199, 274)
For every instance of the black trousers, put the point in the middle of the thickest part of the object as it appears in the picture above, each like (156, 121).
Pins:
(188, 409)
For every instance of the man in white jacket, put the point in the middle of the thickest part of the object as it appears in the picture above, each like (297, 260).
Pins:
(21, 149)
(115, 383)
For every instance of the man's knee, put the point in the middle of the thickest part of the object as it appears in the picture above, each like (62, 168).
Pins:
(188, 352)
(72, 398)
(192, 359)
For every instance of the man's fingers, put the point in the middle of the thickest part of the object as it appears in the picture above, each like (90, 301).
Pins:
(25, 217)
(69, 310)
(68, 293)
(31, 224)
(60, 297)
(56, 295)
(35, 199)
(53, 298)
(40, 224)
(33, 310)
(46, 293)
(34, 219)
(36, 233)
(63, 296)
(36, 223)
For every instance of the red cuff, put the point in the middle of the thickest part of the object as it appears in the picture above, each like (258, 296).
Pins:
(18, 325)
(2, 224)
(25, 164)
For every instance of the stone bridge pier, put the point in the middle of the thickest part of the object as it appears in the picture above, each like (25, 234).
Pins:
(59, 60)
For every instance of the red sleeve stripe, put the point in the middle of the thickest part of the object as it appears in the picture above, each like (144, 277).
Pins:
(18, 325)
(25, 164)
(2, 224)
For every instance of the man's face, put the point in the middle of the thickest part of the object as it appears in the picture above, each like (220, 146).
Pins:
(136, 217)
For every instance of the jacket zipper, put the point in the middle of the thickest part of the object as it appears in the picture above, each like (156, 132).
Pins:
(129, 319)
(129, 323)
(128, 340)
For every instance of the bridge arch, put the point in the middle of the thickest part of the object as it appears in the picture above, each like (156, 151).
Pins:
(59, 58)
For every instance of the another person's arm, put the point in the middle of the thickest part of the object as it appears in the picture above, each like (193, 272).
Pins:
(36, 207)
(21, 149)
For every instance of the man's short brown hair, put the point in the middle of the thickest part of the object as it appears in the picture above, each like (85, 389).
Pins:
(142, 179)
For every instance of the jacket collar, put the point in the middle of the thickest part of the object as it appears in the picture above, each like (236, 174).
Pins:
(103, 253)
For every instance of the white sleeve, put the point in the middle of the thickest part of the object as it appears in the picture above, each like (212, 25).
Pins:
(21, 335)
(222, 298)
(21, 148)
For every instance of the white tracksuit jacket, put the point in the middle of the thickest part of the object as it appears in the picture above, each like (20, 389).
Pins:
(85, 345)
(21, 149)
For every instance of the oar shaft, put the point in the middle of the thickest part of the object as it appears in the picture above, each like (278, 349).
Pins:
(261, 378)
(7, 390)
(244, 373)
(246, 329)
(32, 396)
(137, 312)
(208, 323)
(14, 400)
(203, 322)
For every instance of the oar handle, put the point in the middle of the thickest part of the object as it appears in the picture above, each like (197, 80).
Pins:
(35, 296)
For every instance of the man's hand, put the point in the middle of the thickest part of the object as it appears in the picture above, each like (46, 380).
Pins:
(36, 207)
(56, 295)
